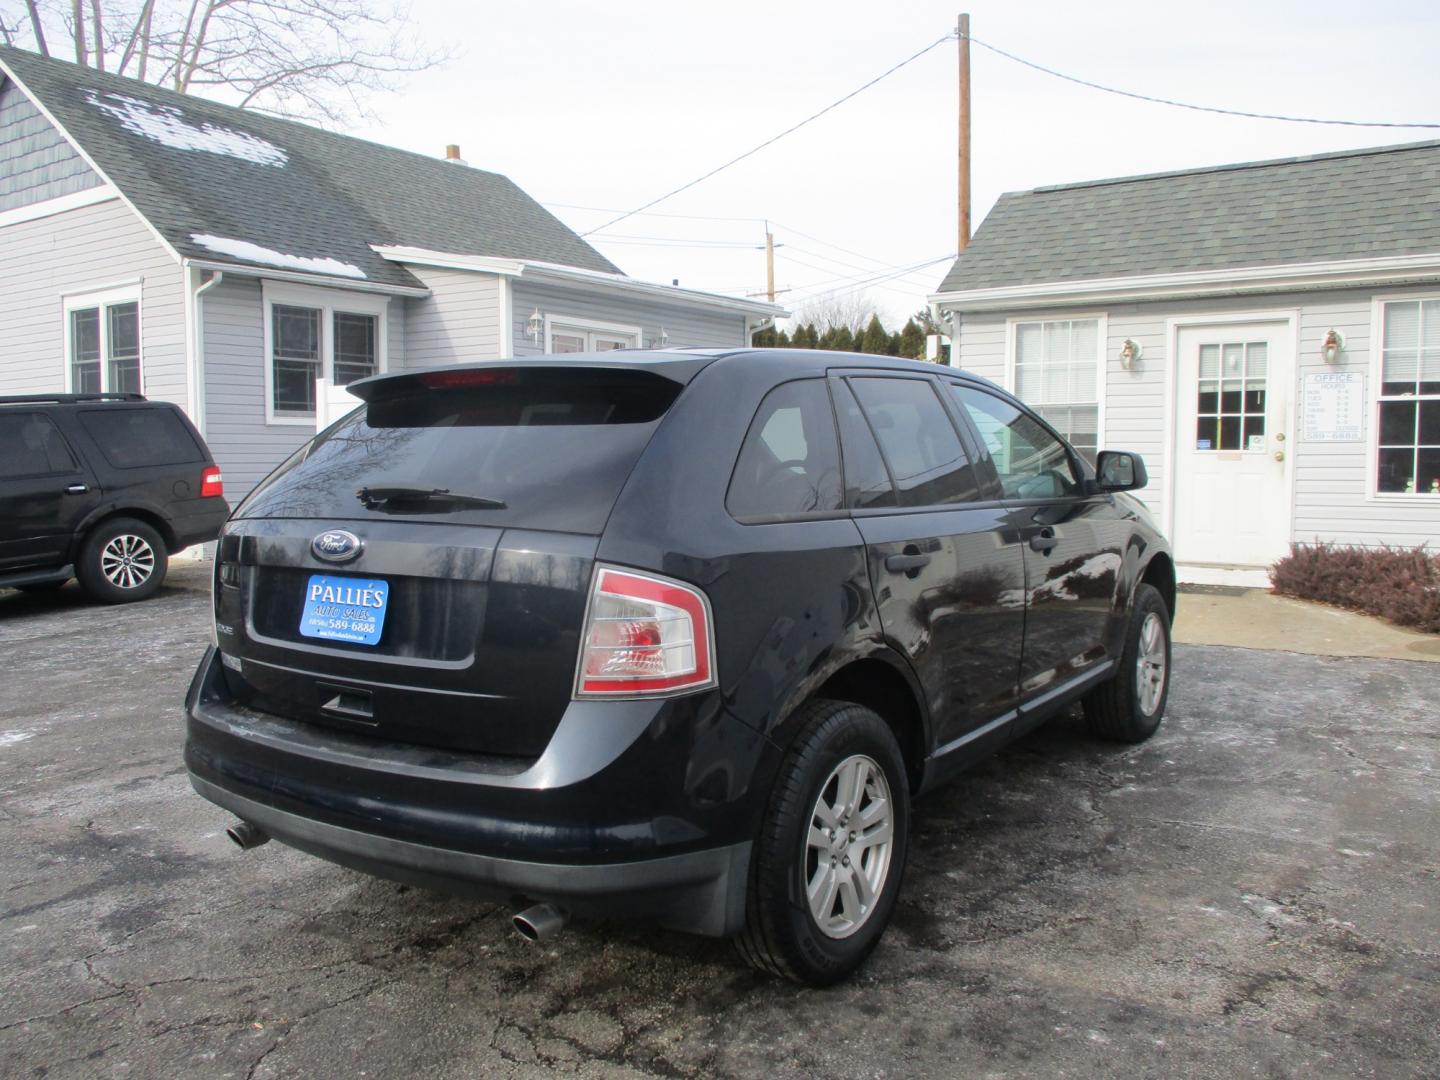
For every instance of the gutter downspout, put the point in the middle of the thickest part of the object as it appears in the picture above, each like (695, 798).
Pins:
(954, 320)
(195, 344)
(751, 331)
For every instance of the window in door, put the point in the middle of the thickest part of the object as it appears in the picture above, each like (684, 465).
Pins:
(31, 445)
(920, 445)
(1057, 373)
(1408, 449)
(1029, 461)
(1230, 401)
(103, 342)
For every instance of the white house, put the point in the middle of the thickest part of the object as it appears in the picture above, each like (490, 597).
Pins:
(243, 266)
(1266, 334)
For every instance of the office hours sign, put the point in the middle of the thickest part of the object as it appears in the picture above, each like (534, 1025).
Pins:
(1332, 406)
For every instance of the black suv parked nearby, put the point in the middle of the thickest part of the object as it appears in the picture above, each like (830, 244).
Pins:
(101, 487)
(676, 635)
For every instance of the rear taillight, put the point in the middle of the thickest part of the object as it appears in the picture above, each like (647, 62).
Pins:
(644, 635)
(212, 484)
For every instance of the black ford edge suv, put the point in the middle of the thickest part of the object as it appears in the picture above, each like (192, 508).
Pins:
(676, 635)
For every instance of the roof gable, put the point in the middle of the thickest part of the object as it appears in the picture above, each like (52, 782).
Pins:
(228, 185)
(1353, 205)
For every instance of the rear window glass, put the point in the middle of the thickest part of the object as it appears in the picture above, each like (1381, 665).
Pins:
(554, 445)
(134, 438)
(31, 445)
(918, 440)
(790, 462)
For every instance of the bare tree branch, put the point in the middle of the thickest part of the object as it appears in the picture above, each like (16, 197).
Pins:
(98, 24)
(77, 29)
(37, 28)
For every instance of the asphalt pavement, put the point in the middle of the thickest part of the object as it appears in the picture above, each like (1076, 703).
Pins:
(1251, 893)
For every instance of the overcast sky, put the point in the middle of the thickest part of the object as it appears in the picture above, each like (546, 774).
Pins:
(608, 105)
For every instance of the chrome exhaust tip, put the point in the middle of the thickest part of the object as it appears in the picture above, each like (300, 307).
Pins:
(540, 922)
(247, 836)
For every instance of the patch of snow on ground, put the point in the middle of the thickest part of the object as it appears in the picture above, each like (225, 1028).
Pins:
(245, 251)
(10, 738)
(167, 125)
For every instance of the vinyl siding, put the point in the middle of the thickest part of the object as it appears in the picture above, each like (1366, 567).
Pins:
(36, 162)
(245, 447)
(1330, 493)
(459, 321)
(244, 444)
(683, 325)
(87, 249)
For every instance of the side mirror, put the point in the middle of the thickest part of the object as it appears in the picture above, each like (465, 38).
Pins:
(1120, 470)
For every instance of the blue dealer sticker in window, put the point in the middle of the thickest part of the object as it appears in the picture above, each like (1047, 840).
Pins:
(344, 609)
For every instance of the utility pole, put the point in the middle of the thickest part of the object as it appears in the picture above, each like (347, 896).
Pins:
(769, 263)
(962, 31)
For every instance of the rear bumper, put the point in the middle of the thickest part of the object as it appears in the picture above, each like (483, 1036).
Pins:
(198, 521)
(702, 892)
(636, 809)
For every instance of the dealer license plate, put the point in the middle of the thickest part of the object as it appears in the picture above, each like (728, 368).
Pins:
(344, 609)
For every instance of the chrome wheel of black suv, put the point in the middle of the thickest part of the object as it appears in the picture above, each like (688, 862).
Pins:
(828, 862)
(122, 560)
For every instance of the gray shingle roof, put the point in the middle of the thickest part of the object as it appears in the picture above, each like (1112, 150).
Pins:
(195, 167)
(1357, 204)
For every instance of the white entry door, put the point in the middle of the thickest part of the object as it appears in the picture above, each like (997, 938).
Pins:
(1233, 444)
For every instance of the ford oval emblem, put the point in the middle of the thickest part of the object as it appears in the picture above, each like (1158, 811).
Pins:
(336, 545)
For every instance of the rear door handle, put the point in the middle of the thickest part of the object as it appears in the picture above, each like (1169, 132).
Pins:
(901, 564)
(1043, 541)
(77, 489)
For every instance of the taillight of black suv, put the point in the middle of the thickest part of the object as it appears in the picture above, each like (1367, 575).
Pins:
(675, 636)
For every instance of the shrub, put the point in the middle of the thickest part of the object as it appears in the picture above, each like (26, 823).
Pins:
(1399, 584)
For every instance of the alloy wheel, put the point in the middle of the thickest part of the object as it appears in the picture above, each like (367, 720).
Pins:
(1150, 663)
(847, 850)
(127, 561)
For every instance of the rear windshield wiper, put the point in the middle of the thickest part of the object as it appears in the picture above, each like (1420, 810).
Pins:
(378, 498)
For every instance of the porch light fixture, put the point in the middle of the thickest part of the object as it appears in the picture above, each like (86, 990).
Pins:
(1129, 353)
(1332, 346)
(536, 324)
(660, 342)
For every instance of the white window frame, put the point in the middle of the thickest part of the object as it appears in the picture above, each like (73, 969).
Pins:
(103, 299)
(561, 323)
(327, 302)
(1374, 385)
(1102, 345)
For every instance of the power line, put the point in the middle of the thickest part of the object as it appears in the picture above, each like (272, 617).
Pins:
(854, 286)
(1186, 105)
(632, 213)
(776, 138)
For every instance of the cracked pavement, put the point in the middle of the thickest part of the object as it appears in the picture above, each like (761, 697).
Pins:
(1252, 893)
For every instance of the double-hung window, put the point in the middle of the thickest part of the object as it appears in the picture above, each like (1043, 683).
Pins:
(1408, 447)
(1057, 373)
(102, 343)
(313, 334)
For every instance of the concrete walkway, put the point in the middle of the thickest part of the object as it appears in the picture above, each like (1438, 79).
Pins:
(1259, 619)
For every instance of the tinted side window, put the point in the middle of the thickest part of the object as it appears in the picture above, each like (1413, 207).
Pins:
(31, 445)
(790, 461)
(919, 442)
(866, 481)
(1031, 463)
(133, 438)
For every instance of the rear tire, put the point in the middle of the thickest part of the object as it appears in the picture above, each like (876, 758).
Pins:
(122, 560)
(1129, 706)
(827, 865)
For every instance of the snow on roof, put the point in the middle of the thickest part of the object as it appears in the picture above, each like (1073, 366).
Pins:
(247, 252)
(167, 125)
